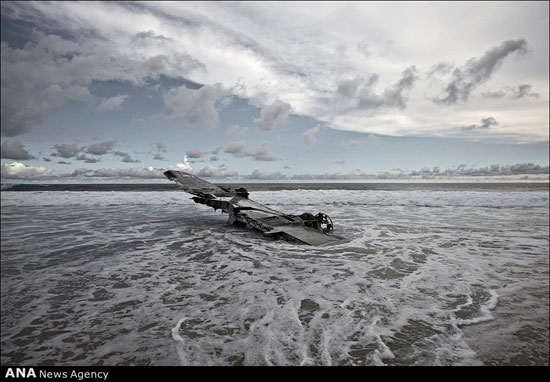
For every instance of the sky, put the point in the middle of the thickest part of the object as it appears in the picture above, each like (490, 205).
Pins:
(105, 91)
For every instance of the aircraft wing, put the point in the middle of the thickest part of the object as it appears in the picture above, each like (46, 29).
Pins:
(277, 224)
(304, 234)
(248, 213)
(197, 186)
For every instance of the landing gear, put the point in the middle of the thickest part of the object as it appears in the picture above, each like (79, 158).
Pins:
(325, 222)
(321, 221)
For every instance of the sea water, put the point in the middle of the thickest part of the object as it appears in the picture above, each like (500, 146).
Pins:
(445, 275)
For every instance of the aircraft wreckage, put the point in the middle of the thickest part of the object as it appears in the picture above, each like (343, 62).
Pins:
(305, 228)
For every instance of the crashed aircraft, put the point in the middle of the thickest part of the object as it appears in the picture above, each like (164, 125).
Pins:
(305, 228)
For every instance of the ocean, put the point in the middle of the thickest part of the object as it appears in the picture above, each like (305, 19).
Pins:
(429, 274)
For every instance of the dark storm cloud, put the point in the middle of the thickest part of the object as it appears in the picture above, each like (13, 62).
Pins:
(477, 71)
(101, 148)
(13, 149)
(358, 93)
(28, 95)
(485, 124)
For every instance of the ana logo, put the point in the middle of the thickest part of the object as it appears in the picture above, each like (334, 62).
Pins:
(20, 372)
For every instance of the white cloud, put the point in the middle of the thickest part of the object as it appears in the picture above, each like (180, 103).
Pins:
(18, 170)
(283, 52)
(113, 103)
(184, 166)
(210, 171)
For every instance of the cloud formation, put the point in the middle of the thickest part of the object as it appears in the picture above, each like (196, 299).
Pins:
(255, 45)
(424, 173)
(520, 91)
(126, 157)
(477, 71)
(13, 149)
(358, 93)
(238, 150)
(160, 148)
(101, 148)
(141, 172)
(184, 166)
(50, 70)
(65, 150)
(486, 123)
(113, 103)
(258, 174)
(194, 154)
(18, 170)
(210, 171)
(273, 115)
(197, 106)
(87, 159)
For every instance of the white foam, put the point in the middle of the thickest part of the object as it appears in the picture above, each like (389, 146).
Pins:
(180, 341)
(484, 308)
(418, 268)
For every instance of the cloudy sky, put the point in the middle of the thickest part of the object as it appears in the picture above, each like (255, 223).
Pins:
(257, 90)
